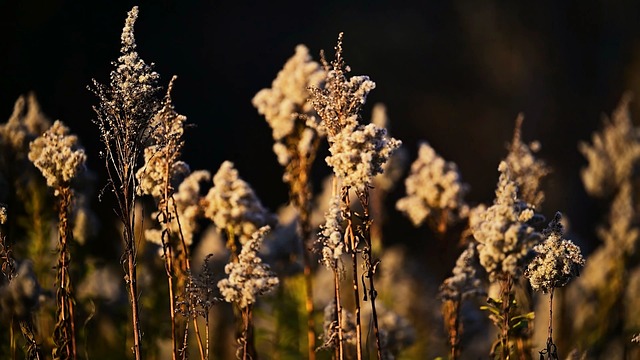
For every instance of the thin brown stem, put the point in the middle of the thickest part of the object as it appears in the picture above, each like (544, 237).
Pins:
(451, 310)
(505, 294)
(336, 281)
(206, 330)
(351, 240)
(64, 332)
(300, 194)
(196, 328)
(371, 265)
(549, 335)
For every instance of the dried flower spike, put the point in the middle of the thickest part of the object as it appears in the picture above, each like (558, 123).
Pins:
(505, 238)
(249, 277)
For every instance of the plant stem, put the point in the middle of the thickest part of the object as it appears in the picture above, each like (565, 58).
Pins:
(549, 337)
(370, 267)
(64, 332)
(300, 188)
(505, 295)
(452, 315)
(351, 240)
(336, 281)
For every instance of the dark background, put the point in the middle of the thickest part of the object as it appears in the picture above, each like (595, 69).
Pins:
(454, 73)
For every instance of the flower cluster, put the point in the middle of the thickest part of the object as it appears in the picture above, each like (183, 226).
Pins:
(233, 206)
(127, 106)
(330, 236)
(249, 277)
(393, 169)
(465, 281)
(357, 151)
(613, 154)
(184, 207)
(287, 98)
(135, 80)
(434, 185)
(557, 260)
(526, 170)
(25, 124)
(57, 155)
(161, 158)
(505, 239)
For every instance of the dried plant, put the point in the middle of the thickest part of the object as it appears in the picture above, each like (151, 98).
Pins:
(125, 118)
(505, 243)
(198, 299)
(59, 158)
(464, 283)
(613, 154)
(358, 153)
(157, 177)
(526, 170)
(596, 301)
(435, 191)
(286, 108)
(248, 278)
(557, 261)
(19, 297)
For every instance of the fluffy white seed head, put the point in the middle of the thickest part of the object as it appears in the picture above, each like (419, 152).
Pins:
(613, 153)
(57, 155)
(433, 186)
(505, 239)
(465, 281)
(556, 262)
(233, 205)
(249, 277)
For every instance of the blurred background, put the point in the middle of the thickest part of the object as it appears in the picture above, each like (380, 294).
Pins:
(453, 73)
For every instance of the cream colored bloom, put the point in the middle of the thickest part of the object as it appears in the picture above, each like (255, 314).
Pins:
(434, 185)
(557, 260)
(504, 237)
(57, 155)
(249, 277)
(232, 204)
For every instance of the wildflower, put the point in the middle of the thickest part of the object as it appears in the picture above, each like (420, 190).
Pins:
(232, 204)
(622, 233)
(25, 124)
(57, 155)
(331, 233)
(249, 277)
(394, 167)
(505, 239)
(526, 170)
(557, 260)
(357, 151)
(613, 153)
(287, 98)
(433, 187)
(161, 158)
(465, 281)
(185, 207)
